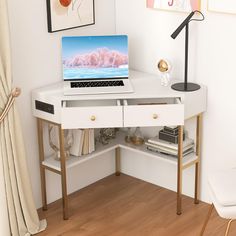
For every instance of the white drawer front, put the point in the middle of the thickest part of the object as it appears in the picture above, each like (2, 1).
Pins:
(153, 115)
(92, 117)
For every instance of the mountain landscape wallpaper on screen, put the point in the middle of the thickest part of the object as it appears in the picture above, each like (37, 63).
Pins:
(91, 57)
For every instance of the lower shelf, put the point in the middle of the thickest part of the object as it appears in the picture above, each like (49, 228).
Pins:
(113, 144)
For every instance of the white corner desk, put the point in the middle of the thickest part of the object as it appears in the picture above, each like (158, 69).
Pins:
(150, 105)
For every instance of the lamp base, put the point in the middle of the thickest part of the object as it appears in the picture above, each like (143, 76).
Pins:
(188, 87)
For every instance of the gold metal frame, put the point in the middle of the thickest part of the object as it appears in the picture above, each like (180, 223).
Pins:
(228, 227)
(198, 153)
(118, 168)
(62, 172)
(63, 166)
(180, 170)
(181, 167)
(44, 168)
(207, 220)
(41, 159)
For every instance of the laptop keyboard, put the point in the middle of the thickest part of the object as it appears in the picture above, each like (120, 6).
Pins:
(96, 84)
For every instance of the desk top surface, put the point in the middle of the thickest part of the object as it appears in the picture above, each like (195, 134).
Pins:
(145, 86)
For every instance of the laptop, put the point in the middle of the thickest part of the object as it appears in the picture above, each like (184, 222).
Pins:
(95, 65)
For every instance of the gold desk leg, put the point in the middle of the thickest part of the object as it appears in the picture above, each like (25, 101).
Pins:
(63, 174)
(207, 219)
(118, 161)
(198, 153)
(41, 159)
(228, 227)
(180, 171)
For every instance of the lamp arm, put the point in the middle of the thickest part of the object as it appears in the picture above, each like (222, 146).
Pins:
(182, 25)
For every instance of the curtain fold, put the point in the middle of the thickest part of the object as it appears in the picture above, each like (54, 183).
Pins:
(22, 213)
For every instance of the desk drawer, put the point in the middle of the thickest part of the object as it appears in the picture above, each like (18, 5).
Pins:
(153, 114)
(92, 117)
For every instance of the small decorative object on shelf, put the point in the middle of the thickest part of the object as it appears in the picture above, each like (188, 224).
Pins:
(106, 134)
(170, 134)
(137, 138)
(164, 68)
(128, 136)
(54, 143)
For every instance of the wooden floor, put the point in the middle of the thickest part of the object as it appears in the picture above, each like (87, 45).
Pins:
(125, 206)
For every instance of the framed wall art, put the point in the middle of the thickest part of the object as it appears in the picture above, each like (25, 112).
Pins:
(69, 14)
(175, 5)
(224, 6)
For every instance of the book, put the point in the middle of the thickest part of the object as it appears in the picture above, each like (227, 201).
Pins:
(173, 146)
(169, 150)
(81, 144)
(78, 138)
(85, 148)
(91, 141)
(186, 152)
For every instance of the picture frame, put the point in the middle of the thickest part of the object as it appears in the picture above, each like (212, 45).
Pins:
(69, 14)
(175, 5)
(219, 6)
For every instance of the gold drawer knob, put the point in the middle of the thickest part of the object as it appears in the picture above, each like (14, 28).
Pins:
(155, 116)
(93, 118)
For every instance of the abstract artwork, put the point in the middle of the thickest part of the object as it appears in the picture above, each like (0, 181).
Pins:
(226, 6)
(68, 14)
(175, 5)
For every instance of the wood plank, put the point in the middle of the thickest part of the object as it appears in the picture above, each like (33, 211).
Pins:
(125, 206)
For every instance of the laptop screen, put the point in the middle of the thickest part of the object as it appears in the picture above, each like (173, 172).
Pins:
(95, 57)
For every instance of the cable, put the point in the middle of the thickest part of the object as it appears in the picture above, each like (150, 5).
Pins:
(203, 17)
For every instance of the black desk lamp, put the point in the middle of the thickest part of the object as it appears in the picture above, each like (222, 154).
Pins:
(187, 87)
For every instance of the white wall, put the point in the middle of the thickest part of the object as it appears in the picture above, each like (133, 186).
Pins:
(36, 57)
(212, 62)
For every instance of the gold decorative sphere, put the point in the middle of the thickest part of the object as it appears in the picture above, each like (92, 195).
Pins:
(163, 66)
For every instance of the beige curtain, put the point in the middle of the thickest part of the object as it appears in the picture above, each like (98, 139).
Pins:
(22, 214)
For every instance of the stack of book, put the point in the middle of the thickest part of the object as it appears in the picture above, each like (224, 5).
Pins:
(83, 143)
(157, 145)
